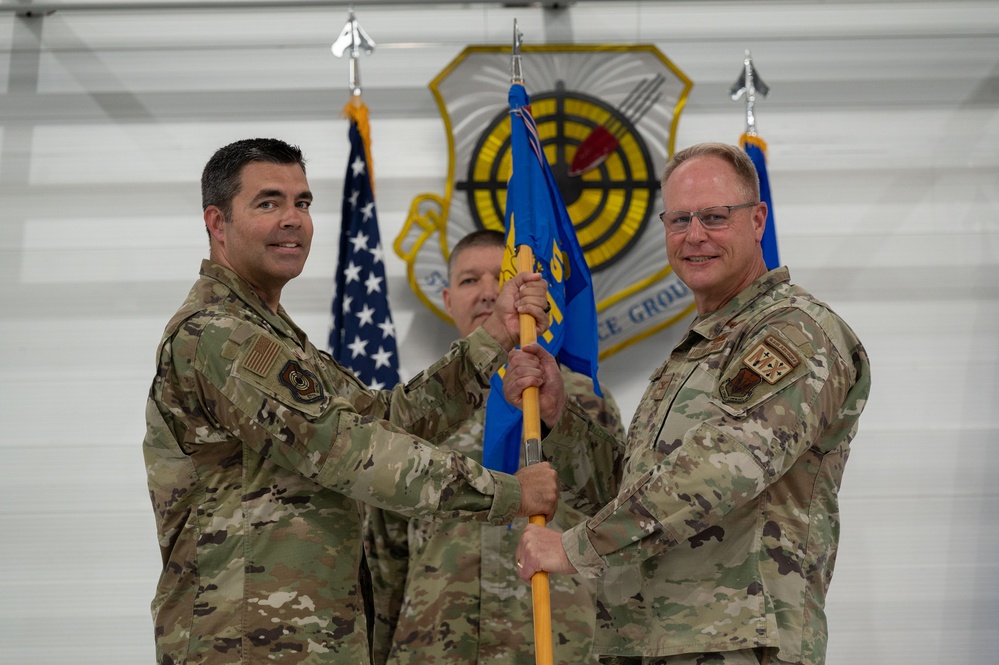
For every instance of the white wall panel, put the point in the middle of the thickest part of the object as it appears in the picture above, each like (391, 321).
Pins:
(883, 127)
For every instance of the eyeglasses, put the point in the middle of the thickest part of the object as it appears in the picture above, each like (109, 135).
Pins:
(715, 217)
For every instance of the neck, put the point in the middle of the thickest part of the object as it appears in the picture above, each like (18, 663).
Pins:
(709, 302)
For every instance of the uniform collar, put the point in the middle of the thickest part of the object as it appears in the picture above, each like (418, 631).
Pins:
(715, 323)
(241, 288)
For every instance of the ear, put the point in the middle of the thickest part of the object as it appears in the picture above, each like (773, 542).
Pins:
(215, 223)
(760, 220)
(446, 294)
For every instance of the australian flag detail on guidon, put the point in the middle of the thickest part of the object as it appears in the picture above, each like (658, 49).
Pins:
(362, 337)
(536, 216)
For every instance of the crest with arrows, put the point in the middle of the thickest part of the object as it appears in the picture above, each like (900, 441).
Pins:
(607, 119)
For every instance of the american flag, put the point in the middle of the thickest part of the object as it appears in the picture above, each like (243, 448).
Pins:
(363, 336)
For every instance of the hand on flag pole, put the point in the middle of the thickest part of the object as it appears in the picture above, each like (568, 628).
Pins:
(540, 229)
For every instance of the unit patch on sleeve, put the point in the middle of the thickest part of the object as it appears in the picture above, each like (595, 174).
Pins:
(771, 359)
(739, 388)
(304, 385)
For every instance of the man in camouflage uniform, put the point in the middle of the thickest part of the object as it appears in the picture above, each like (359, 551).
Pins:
(259, 446)
(719, 548)
(448, 593)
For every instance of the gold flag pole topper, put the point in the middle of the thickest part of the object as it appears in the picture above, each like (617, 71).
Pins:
(532, 422)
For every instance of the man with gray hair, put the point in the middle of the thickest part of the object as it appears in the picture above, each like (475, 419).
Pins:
(720, 544)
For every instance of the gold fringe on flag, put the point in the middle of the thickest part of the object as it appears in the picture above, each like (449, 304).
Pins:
(357, 112)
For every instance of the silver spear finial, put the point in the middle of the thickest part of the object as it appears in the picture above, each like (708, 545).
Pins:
(749, 83)
(516, 71)
(356, 39)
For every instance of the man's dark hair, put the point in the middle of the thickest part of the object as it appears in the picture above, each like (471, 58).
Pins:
(480, 238)
(221, 181)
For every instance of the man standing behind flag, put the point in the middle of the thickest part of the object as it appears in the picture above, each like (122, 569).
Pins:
(362, 337)
(448, 592)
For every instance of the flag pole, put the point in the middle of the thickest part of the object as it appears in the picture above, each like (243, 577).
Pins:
(352, 40)
(749, 84)
(540, 590)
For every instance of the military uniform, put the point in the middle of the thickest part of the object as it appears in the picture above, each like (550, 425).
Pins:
(258, 449)
(448, 593)
(724, 534)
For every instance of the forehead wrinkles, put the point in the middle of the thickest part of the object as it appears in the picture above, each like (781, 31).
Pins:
(702, 182)
(476, 260)
(472, 270)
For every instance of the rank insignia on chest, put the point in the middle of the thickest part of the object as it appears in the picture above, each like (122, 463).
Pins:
(304, 385)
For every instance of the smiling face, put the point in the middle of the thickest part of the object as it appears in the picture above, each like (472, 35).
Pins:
(268, 236)
(474, 286)
(720, 263)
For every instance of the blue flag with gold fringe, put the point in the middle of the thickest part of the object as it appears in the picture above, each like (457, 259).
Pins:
(536, 216)
(756, 148)
(363, 336)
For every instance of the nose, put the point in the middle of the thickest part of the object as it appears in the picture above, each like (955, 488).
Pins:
(695, 232)
(490, 289)
(293, 217)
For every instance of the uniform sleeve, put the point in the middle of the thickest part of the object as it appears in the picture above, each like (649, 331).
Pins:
(728, 435)
(290, 411)
(386, 545)
(587, 457)
(592, 478)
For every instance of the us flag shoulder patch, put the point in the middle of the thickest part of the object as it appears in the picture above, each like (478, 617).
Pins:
(772, 359)
(262, 355)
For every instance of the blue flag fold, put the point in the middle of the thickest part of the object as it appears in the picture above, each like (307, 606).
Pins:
(756, 148)
(536, 216)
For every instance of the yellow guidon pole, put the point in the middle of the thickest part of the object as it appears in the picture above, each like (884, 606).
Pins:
(532, 424)
(532, 447)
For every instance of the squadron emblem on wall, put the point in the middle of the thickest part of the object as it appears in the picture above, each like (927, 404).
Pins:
(606, 118)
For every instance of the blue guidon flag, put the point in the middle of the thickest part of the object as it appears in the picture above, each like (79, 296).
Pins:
(756, 148)
(536, 216)
(362, 337)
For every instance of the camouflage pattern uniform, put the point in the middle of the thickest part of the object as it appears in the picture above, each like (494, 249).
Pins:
(724, 535)
(448, 593)
(258, 449)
